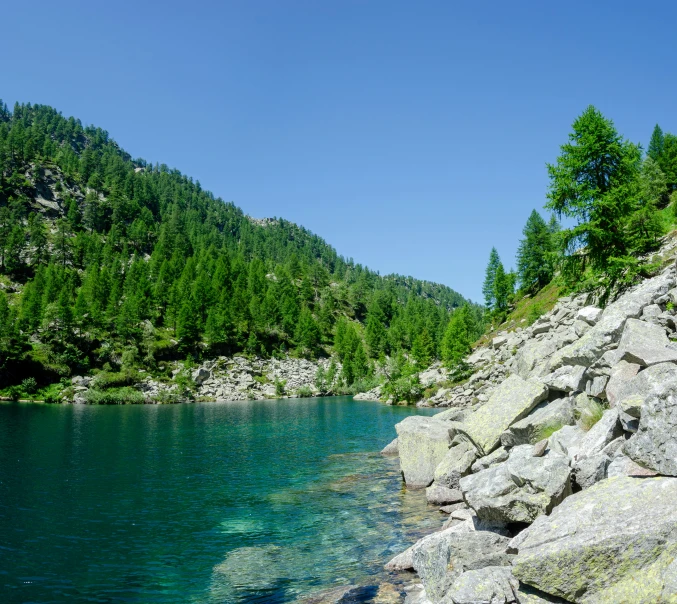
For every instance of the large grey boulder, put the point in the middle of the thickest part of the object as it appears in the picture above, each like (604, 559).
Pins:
(645, 344)
(201, 375)
(495, 457)
(452, 415)
(621, 374)
(512, 400)
(532, 356)
(565, 379)
(622, 465)
(519, 489)
(608, 329)
(540, 423)
(589, 314)
(614, 542)
(565, 439)
(422, 442)
(440, 558)
(654, 446)
(491, 585)
(645, 384)
(591, 470)
(599, 436)
(456, 463)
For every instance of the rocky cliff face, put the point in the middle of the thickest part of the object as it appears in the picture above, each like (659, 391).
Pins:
(557, 461)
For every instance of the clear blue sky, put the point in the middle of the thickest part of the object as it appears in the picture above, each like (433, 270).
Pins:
(412, 136)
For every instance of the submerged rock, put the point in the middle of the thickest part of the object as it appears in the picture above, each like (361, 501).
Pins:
(391, 448)
(614, 542)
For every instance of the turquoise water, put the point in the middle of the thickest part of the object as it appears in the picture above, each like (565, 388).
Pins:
(261, 501)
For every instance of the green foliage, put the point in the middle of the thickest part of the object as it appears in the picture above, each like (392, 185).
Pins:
(402, 382)
(535, 313)
(280, 387)
(460, 333)
(549, 429)
(656, 144)
(14, 393)
(600, 182)
(29, 385)
(536, 253)
(588, 412)
(140, 257)
(488, 287)
(105, 379)
(304, 392)
(114, 396)
(423, 349)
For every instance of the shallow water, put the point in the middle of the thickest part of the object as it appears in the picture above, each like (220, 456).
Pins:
(260, 501)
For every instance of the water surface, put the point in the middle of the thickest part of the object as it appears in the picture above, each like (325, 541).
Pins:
(260, 501)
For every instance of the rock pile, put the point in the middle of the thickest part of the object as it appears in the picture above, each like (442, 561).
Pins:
(560, 460)
(233, 379)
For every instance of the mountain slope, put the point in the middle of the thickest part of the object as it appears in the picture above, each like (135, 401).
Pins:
(110, 262)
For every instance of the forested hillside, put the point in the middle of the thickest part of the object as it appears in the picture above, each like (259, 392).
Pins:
(619, 201)
(108, 261)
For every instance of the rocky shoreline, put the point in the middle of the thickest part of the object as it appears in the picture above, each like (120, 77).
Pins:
(557, 463)
(234, 378)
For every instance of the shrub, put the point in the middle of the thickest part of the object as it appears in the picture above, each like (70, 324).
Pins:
(280, 387)
(407, 388)
(304, 392)
(29, 385)
(114, 396)
(52, 399)
(106, 379)
(14, 393)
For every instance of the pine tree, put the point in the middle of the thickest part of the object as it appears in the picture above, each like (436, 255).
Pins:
(595, 181)
(503, 283)
(535, 254)
(423, 349)
(187, 326)
(488, 287)
(655, 150)
(458, 336)
(376, 334)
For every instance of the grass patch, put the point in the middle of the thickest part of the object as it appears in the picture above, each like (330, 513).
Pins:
(304, 392)
(527, 310)
(548, 430)
(589, 411)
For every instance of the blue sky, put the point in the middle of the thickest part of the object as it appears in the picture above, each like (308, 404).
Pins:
(411, 136)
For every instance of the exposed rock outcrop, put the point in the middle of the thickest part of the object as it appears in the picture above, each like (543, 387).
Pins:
(573, 431)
